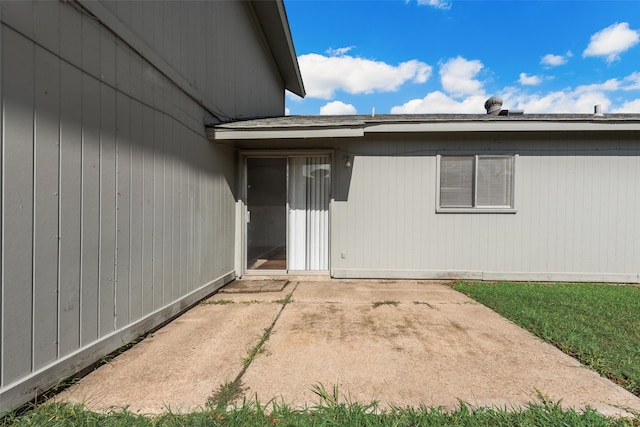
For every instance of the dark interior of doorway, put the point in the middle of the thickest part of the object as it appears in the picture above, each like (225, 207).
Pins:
(266, 203)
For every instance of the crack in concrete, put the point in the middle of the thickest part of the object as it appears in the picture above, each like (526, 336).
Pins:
(423, 303)
(236, 384)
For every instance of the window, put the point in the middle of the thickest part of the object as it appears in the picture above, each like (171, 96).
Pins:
(476, 183)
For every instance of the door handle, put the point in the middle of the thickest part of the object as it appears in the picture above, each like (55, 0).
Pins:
(248, 217)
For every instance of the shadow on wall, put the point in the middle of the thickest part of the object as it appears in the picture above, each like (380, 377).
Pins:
(108, 119)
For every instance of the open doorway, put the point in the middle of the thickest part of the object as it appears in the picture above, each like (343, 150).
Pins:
(266, 213)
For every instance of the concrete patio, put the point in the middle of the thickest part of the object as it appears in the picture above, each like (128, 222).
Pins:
(401, 343)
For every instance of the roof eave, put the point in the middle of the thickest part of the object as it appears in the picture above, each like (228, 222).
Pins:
(502, 126)
(273, 19)
(218, 134)
(240, 130)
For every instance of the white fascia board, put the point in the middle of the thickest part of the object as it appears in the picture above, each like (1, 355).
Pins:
(273, 19)
(502, 126)
(288, 133)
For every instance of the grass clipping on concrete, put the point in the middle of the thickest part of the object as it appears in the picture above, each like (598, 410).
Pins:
(598, 324)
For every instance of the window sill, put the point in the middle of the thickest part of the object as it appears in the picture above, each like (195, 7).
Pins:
(477, 210)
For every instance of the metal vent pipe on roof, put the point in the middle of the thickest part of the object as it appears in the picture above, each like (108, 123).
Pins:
(493, 105)
(597, 110)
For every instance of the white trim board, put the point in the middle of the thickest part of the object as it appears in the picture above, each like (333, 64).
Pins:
(486, 275)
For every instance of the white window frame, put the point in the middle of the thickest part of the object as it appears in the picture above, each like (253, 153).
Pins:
(475, 209)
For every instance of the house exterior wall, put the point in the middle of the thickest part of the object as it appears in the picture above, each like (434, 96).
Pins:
(576, 200)
(117, 212)
(217, 46)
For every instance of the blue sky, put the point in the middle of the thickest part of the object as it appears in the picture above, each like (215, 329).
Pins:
(448, 56)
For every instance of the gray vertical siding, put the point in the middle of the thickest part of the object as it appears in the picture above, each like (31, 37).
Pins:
(17, 219)
(224, 54)
(70, 209)
(117, 212)
(46, 202)
(576, 197)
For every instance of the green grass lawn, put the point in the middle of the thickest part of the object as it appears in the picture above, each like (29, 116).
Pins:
(327, 414)
(598, 324)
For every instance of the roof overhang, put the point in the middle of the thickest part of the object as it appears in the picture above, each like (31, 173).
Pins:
(284, 133)
(498, 126)
(273, 19)
(358, 126)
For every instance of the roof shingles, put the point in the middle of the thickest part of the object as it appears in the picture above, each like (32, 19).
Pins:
(364, 120)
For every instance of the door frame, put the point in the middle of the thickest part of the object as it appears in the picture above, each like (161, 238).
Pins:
(241, 209)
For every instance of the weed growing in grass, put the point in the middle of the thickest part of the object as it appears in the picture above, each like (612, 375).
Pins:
(598, 324)
(379, 303)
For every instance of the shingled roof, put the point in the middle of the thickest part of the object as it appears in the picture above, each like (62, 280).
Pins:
(358, 125)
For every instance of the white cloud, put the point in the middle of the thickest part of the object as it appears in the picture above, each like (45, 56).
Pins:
(580, 99)
(337, 108)
(612, 41)
(457, 76)
(458, 79)
(438, 4)
(609, 85)
(324, 75)
(551, 60)
(438, 102)
(287, 111)
(631, 82)
(569, 101)
(339, 51)
(529, 80)
(629, 107)
(561, 102)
